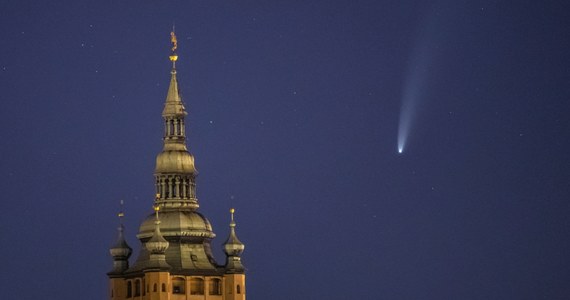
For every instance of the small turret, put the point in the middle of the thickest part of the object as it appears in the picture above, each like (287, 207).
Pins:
(233, 248)
(157, 246)
(121, 250)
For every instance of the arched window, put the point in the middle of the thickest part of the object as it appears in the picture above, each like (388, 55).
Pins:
(176, 192)
(167, 188)
(144, 287)
(129, 289)
(238, 289)
(215, 286)
(178, 285)
(154, 288)
(197, 286)
(137, 288)
(164, 287)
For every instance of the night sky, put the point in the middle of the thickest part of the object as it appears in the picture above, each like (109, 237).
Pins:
(294, 112)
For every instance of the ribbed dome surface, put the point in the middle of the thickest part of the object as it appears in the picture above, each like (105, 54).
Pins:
(175, 162)
(178, 223)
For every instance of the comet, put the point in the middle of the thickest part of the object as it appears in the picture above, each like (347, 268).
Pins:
(407, 113)
(415, 88)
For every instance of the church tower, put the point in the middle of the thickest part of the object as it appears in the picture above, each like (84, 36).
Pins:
(176, 261)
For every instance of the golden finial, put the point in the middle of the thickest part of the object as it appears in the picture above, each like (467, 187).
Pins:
(232, 211)
(156, 209)
(121, 213)
(174, 41)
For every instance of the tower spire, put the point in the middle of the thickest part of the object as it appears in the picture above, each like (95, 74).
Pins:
(157, 246)
(176, 258)
(175, 171)
(233, 248)
(121, 250)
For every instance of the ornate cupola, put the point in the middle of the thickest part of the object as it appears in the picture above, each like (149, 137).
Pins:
(175, 172)
(188, 232)
(120, 251)
(157, 246)
(233, 248)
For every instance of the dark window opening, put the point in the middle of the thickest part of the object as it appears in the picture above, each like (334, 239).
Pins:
(197, 286)
(178, 286)
(215, 286)
(137, 288)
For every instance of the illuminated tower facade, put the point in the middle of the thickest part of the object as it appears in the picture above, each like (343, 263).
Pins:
(176, 261)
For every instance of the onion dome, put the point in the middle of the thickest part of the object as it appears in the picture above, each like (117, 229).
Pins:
(120, 251)
(175, 161)
(157, 244)
(233, 248)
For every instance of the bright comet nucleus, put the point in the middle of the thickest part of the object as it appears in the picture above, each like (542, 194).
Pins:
(420, 71)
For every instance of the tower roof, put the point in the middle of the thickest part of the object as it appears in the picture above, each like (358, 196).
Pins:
(187, 232)
(233, 248)
(121, 250)
(173, 105)
(175, 170)
(157, 244)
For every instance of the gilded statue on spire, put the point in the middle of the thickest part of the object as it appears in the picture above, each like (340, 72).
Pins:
(174, 41)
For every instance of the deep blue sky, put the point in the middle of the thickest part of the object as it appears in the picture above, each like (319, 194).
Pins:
(293, 119)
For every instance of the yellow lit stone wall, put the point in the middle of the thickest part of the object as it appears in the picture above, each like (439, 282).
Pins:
(163, 286)
(234, 287)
